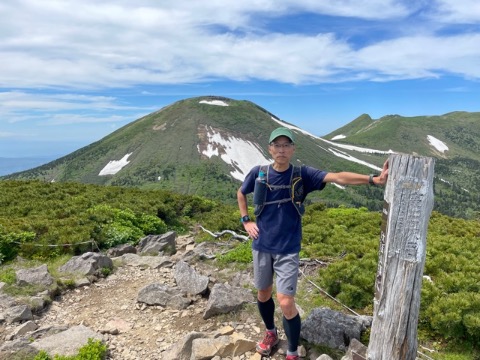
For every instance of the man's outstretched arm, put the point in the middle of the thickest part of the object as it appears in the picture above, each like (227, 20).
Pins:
(350, 178)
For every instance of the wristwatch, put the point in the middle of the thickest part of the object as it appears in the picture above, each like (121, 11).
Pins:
(245, 219)
(370, 179)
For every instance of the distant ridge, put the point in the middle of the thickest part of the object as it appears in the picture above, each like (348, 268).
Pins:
(9, 165)
(206, 145)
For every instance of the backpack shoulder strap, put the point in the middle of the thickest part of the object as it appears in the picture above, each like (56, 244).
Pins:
(297, 171)
(298, 194)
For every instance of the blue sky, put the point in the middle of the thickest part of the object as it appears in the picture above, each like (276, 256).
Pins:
(72, 71)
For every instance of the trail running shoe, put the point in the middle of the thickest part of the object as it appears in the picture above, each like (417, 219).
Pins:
(292, 357)
(268, 343)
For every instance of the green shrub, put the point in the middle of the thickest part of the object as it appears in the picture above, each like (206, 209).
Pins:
(150, 224)
(7, 275)
(105, 271)
(241, 254)
(66, 283)
(116, 234)
(94, 350)
(456, 316)
(120, 226)
(42, 355)
(11, 242)
(351, 280)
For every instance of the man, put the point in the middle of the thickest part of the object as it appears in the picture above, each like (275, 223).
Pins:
(277, 233)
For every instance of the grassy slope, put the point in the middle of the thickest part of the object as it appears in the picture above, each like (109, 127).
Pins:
(164, 145)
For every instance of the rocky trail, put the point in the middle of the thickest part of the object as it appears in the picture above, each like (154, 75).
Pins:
(177, 307)
(134, 330)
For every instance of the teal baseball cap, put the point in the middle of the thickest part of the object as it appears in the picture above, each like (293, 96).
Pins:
(281, 131)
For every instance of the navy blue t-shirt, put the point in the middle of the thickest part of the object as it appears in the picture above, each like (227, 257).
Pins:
(280, 225)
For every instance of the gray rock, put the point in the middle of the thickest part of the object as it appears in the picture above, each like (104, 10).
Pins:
(330, 328)
(82, 282)
(153, 262)
(67, 342)
(47, 331)
(324, 357)
(7, 301)
(357, 348)
(18, 313)
(222, 346)
(159, 294)
(158, 244)
(34, 276)
(224, 299)
(17, 349)
(89, 263)
(189, 280)
(121, 249)
(182, 350)
(24, 328)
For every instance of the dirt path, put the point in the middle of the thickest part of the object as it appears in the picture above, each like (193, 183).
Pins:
(144, 332)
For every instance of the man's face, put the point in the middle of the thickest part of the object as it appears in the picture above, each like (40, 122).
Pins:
(281, 149)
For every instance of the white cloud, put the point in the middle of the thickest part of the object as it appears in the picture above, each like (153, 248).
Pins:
(72, 46)
(66, 101)
(455, 11)
(63, 108)
(420, 57)
(86, 44)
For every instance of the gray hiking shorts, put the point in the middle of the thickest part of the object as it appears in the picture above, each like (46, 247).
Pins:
(284, 266)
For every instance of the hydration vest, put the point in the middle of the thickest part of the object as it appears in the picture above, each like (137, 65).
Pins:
(296, 191)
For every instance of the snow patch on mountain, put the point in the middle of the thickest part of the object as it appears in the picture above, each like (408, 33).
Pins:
(342, 146)
(437, 144)
(338, 137)
(353, 159)
(115, 166)
(240, 154)
(214, 102)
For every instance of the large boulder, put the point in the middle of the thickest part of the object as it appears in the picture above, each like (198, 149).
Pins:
(189, 280)
(121, 249)
(225, 298)
(160, 294)
(158, 244)
(67, 343)
(326, 327)
(34, 276)
(86, 264)
(18, 313)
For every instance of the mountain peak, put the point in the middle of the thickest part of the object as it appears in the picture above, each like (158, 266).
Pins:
(206, 145)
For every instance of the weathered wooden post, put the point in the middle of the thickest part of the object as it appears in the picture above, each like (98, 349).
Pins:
(408, 205)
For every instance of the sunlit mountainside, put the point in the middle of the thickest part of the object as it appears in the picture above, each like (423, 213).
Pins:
(206, 146)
